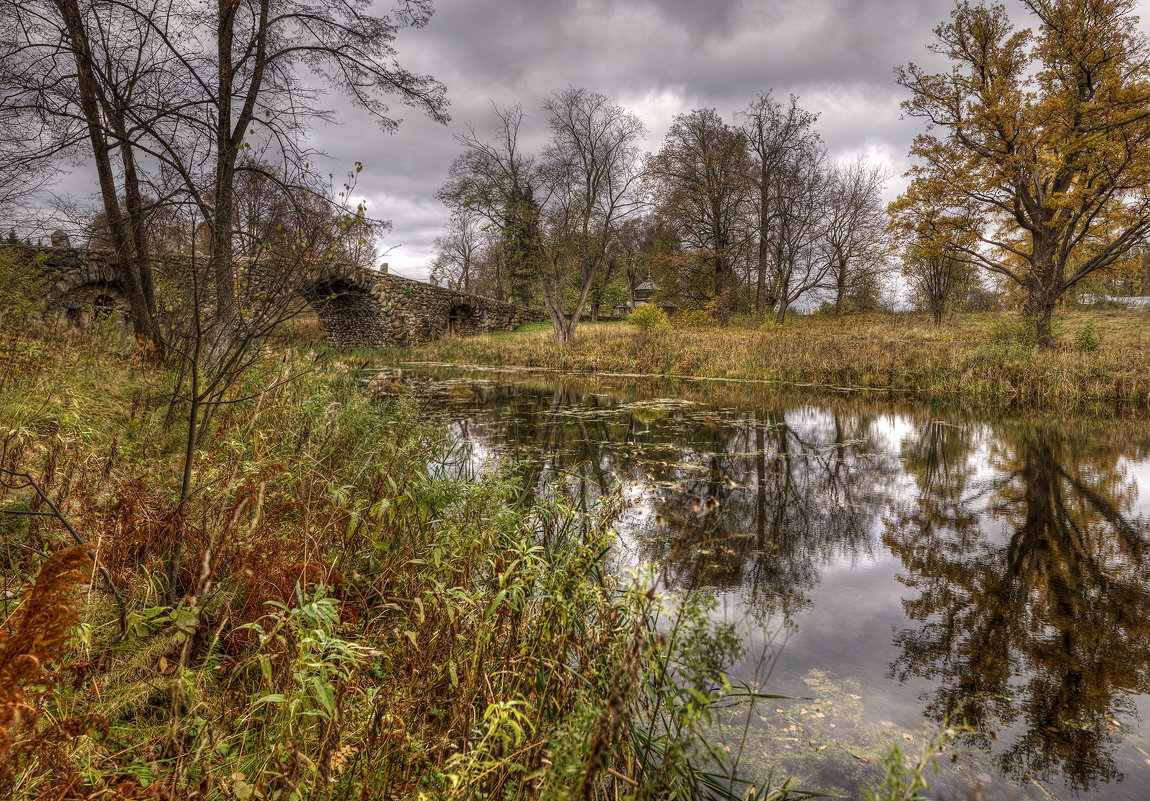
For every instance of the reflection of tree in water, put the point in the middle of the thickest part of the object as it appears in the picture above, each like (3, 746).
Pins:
(557, 437)
(1043, 626)
(792, 491)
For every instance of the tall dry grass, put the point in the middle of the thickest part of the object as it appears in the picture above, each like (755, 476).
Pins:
(347, 624)
(973, 360)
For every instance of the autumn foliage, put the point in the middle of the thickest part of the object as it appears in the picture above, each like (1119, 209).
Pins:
(1037, 154)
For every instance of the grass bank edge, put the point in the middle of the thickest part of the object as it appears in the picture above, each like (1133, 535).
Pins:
(1100, 362)
(347, 619)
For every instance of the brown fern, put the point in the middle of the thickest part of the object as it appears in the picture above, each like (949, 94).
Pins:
(35, 637)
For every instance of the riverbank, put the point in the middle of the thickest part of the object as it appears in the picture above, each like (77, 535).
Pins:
(342, 620)
(1100, 363)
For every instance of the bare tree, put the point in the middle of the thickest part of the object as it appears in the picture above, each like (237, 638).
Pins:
(72, 72)
(592, 165)
(775, 135)
(798, 219)
(854, 242)
(496, 181)
(701, 181)
(190, 92)
(458, 249)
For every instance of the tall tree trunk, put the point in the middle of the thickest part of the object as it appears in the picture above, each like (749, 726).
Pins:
(220, 257)
(781, 311)
(90, 104)
(1039, 308)
(141, 264)
(764, 240)
(1044, 286)
(722, 281)
(221, 261)
(554, 306)
(840, 287)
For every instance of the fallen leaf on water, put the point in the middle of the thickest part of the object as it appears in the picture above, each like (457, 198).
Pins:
(886, 724)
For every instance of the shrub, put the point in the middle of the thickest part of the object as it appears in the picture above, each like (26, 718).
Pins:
(1086, 340)
(1014, 332)
(693, 318)
(1010, 339)
(649, 318)
(22, 286)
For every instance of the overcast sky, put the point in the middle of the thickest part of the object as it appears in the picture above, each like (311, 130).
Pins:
(658, 57)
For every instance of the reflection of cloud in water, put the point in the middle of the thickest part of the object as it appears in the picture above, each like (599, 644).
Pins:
(938, 562)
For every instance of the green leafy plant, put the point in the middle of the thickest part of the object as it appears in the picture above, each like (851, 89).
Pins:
(23, 285)
(905, 777)
(694, 319)
(649, 318)
(1013, 331)
(1086, 340)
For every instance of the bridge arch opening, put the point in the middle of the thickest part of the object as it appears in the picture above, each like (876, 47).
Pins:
(461, 320)
(105, 306)
(83, 305)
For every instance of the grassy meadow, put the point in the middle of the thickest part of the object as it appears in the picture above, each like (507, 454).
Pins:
(1101, 360)
(346, 623)
(327, 618)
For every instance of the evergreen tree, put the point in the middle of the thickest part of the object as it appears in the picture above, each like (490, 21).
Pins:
(521, 243)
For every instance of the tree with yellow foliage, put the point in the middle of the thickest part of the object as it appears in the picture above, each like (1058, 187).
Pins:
(1038, 142)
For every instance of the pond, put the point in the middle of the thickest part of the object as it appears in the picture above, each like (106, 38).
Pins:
(890, 563)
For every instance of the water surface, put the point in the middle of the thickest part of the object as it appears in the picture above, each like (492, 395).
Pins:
(891, 563)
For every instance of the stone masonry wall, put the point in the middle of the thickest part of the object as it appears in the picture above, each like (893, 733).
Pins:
(356, 307)
(416, 312)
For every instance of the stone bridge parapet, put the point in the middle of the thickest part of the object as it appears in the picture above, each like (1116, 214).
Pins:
(357, 307)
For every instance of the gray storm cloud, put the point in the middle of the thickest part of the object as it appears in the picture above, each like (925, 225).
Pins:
(659, 58)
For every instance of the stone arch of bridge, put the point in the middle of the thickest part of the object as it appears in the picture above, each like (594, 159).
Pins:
(82, 304)
(462, 319)
(346, 310)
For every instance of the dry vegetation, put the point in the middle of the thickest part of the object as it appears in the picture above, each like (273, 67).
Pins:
(347, 624)
(1100, 360)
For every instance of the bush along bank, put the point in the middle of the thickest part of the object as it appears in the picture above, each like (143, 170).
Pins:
(343, 623)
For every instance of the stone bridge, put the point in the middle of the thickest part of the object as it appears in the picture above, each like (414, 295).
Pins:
(356, 307)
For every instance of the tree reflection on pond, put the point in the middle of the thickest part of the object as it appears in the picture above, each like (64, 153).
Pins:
(1032, 605)
(1009, 561)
